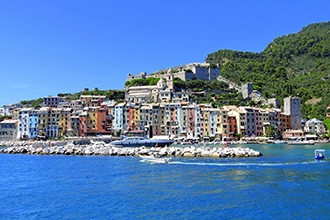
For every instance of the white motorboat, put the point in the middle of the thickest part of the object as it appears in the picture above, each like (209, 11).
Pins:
(136, 141)
(155, 159)
(301, 142)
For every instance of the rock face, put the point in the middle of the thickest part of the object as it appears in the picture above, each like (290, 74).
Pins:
(100, 148)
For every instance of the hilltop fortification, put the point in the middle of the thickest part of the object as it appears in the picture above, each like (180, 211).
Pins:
(203, 71)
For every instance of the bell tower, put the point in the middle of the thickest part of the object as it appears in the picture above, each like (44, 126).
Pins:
(170, 80)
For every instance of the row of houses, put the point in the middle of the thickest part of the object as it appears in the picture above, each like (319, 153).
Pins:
(95, 115)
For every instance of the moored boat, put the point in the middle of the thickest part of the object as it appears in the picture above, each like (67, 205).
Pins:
(271, 141)
(142, 141)
(301, 142)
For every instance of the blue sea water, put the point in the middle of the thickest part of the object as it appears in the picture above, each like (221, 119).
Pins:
(285, 183)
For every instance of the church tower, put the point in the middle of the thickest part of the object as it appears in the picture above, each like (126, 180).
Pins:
(170, 80)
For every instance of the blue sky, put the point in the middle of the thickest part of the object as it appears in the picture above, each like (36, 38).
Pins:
(63, 46)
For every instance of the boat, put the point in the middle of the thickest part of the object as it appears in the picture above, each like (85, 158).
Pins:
(319, 154)
(141, 141)
(301, 142)
(272, 141)
(155, 159)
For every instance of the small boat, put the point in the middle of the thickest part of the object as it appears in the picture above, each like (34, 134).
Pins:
(319, 154)
(155, 159)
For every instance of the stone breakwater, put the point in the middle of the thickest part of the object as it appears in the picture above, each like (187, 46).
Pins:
(63, 148)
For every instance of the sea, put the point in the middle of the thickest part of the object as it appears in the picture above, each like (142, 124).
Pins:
(285, 183)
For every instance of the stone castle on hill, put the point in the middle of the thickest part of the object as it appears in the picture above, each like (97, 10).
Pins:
(202, 71)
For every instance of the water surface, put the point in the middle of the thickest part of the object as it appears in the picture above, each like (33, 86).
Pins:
(285, 183)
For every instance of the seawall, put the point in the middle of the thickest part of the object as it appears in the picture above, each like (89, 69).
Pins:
(100, 148)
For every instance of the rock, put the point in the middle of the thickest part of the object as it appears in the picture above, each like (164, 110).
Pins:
(188, 154)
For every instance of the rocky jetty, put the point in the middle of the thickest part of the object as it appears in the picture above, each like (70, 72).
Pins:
(101, 148)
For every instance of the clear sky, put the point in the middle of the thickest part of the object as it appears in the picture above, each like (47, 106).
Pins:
(63, 46)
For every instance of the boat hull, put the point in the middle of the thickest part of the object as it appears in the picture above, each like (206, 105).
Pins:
(301, 143)
(142, 142)
(152, 159)
(319, 154)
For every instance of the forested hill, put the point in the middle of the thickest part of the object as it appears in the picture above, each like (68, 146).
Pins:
(292, 65)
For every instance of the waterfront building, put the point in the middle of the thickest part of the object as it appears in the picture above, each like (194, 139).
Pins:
(207, 119)
(246, 121)
(75, 124)
(43, 120)
(52, 128)
(246, 118)
(197, 132)
(131, 117)
(172, 119)
(119, 117)
(146, 118)
(292, 107)
(291, 134)
(162, 119)
(138, 123)
(157, 117)
(65, 121)
(184, 120)
(8, 130)
(27, 123)
(83, 125)
(103, 121)
(204, 120)
(314, 126)
(215, 119)
(91, 119)
(282, 121)
(232, 125)
(224, 124)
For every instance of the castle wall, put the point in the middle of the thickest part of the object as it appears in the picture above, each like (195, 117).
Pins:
(198, 71)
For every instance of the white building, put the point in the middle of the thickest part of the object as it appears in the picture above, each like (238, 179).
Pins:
(118, 117)
(27, 123)
(314, 126)
(149, 94)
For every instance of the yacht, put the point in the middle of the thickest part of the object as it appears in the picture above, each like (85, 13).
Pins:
(142, 141)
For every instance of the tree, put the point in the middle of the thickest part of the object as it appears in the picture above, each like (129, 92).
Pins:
(270, 131)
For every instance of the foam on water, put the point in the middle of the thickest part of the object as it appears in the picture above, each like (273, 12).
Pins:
(245, 164)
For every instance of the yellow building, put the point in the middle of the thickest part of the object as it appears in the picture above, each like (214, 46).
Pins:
(92, 119)
(65, 121)
(43, 121)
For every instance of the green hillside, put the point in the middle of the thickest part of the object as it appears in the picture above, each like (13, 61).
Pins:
(295, 64)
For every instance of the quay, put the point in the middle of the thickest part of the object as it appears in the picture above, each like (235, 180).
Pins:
(101, 148)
